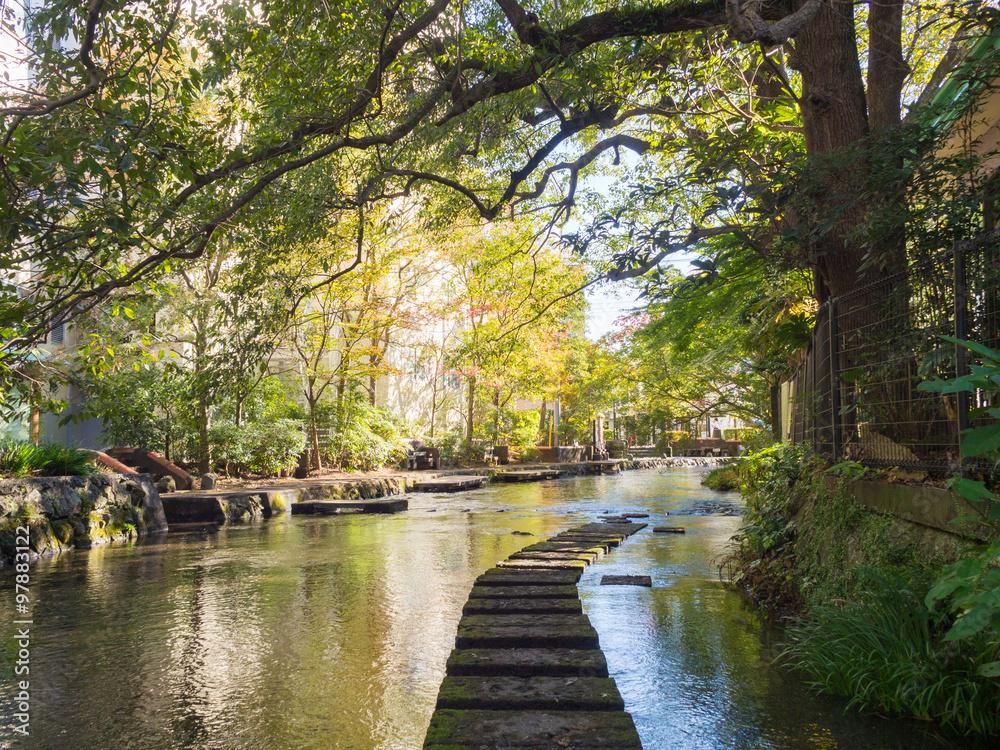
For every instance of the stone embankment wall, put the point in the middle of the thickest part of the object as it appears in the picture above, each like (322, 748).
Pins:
(650, 463)
(67, 512)
(257, 504)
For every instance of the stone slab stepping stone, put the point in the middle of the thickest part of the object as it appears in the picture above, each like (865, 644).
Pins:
(625, 528)
(496, 693)
(528, 577)
(526, 631)
(626, 581)
(635, 515)
(543, 564)
(523, 607)
(581, 730)
(453, 483)
(597, 549)
(560, 555)
(526, 476)
(669, 529)
(332, 507)
(607, 540)
(524, 592)
(528, 662)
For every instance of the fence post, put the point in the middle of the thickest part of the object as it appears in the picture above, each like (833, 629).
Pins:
(961, 359)
(835, 379)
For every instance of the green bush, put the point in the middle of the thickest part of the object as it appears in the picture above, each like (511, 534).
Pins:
(22, 458)
(969, 589)
(722, 479)
(756, 439)
(529, 454)
(271, 446)
(761, 559)
(886, 653)
(365, 437)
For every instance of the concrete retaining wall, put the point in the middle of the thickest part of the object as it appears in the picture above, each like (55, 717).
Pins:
(930, 507)
(67, 512)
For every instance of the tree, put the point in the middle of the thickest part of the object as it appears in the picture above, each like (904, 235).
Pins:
(160, 130)
(515, 296)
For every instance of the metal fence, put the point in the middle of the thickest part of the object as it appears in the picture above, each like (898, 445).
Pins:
(854, 396)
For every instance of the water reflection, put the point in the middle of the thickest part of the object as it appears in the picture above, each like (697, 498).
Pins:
(333, 632)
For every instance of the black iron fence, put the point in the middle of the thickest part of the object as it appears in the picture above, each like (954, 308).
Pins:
(854, 396)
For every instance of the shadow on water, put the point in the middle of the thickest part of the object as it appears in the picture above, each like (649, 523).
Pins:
(333, 632)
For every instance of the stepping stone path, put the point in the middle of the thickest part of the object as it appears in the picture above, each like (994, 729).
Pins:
(527, 669)
(669, 529)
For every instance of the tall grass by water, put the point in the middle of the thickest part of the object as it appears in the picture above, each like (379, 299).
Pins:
(22, 458)
(886, 654)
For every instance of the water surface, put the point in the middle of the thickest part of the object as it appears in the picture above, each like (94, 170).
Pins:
(332, 632)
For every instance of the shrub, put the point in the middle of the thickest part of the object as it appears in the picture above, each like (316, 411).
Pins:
(756, 439)
(272, 446)
(529, 454)
(886, 653)
(367, 437)
(761, 558)
(723, 479)
(21, 458)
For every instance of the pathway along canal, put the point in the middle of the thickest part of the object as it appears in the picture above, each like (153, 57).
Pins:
(332, 632)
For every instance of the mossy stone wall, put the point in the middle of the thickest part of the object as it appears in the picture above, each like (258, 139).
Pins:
(67, 512)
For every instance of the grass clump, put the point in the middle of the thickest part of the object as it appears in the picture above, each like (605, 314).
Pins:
(22, 458)
(722, 479)
(886, 653)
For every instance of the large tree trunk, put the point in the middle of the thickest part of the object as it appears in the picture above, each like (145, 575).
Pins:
(471, 406)
(317, 461)
(835, 117)
(775, 392)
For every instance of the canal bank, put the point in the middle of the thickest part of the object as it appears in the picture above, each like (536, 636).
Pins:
(258, 503)
(334, 631)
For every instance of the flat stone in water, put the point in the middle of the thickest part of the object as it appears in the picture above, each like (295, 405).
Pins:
(528, 662)
(498, 693)
(543, 564)
(581, 730)
(669, 529)
(586, 556)
(528, 577)
(524, 592)
(625, 528)
(570, 547)
(627, 581)
(522, 607)
(526, 631)
(608, 539)
(635, 515)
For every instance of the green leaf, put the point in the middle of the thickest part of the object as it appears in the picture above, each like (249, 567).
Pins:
(992, 669)
(972, 622)
(972, 490)
(981, 440)
(985, 351)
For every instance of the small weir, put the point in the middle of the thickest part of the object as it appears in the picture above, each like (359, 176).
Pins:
(527, 669)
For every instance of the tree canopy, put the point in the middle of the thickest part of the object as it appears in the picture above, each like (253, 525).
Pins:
(137, 136)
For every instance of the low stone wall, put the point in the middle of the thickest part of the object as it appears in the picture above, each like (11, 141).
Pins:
(240, 506)
(67, 512)
(649, 463)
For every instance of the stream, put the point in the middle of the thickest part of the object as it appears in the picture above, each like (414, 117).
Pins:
(332, 632)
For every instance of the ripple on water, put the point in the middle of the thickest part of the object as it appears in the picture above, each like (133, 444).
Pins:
(332, 632)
